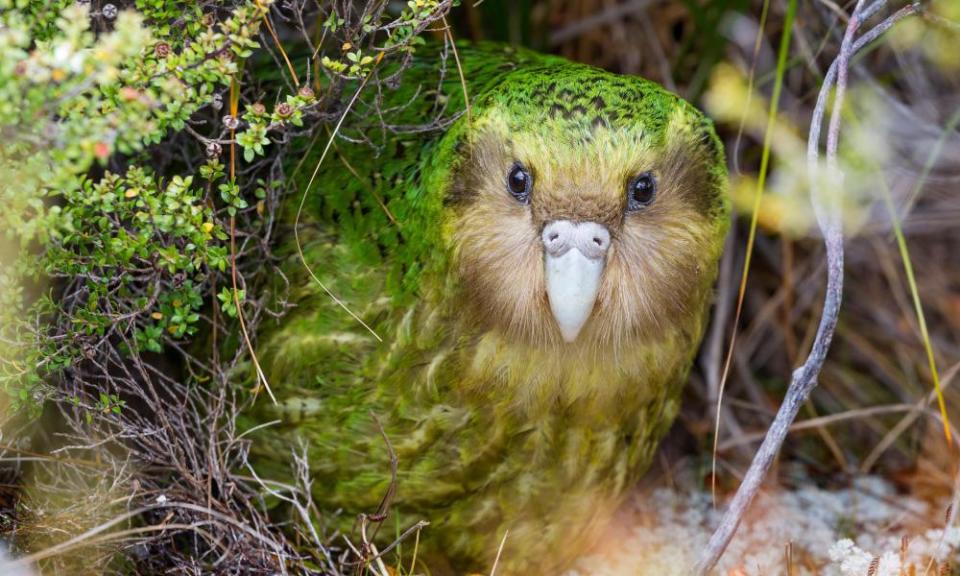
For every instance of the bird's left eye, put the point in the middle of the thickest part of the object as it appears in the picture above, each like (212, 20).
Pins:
(641, 191)
(519, 182)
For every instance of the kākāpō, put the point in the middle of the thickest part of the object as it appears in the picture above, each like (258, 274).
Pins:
(538, 272)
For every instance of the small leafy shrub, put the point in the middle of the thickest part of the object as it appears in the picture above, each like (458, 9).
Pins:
(141, 178)
(106, 245)
(128, 253)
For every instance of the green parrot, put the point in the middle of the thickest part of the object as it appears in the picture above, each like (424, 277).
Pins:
(508, 303)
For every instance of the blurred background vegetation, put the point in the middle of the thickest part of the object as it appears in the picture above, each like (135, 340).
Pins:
(132, 223)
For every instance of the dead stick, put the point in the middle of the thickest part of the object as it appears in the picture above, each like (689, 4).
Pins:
(828, 218)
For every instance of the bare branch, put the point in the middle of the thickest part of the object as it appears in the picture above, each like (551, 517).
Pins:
(828, 218)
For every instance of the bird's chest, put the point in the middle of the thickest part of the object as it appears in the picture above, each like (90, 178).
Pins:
(568, 449)
(539, 443)
(553, 481)
(543, 420)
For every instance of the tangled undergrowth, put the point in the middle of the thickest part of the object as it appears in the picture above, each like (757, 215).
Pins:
(143, 167)
(144, 172)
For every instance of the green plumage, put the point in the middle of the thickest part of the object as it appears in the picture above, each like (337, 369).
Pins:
(497, 424)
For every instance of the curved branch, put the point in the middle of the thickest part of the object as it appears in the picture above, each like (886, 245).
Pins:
(804, 378)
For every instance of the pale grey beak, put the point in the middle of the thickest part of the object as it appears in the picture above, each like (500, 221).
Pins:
(574, 257)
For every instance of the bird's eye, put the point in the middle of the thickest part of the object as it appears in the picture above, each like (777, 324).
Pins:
(641, 191)
(519, 182)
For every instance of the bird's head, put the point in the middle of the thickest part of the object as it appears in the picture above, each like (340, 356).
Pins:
(584, 206)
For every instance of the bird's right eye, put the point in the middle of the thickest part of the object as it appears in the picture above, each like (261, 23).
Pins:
(519, 182)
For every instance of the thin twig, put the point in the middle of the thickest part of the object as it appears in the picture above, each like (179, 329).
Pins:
(303, 201)
(80, 539)
(234, 276)
(493, 570)
(607, 16)
(828, 218)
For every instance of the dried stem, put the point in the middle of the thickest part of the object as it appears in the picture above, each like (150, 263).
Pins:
(828, 218)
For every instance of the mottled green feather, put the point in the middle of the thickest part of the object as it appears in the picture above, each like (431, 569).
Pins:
(493, 430)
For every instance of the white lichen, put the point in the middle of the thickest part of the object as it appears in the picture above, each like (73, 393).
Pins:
(845, 532)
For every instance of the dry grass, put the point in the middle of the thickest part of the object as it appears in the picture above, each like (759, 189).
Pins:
(165, 487)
